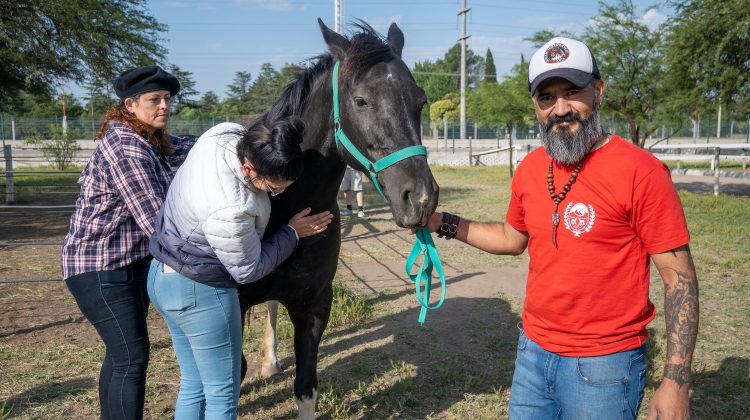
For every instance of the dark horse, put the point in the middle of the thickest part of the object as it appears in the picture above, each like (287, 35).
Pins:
(380, 112)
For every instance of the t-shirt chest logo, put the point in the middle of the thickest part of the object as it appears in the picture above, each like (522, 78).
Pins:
(579, 218)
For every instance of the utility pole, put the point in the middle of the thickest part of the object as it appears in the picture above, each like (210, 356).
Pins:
(65, 113)
(91, 99)
(718, 121)
(337, 16)
(464, 11)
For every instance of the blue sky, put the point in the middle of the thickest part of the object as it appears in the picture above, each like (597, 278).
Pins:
(216, 39)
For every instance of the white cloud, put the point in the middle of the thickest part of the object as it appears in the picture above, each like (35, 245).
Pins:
(653, 19)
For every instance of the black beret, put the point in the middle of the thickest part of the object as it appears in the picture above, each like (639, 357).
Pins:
(145, 79)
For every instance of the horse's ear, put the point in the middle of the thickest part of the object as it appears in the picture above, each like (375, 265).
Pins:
(396, 39)
(337, 43)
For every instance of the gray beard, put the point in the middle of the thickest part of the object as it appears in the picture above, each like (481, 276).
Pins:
(567, 147)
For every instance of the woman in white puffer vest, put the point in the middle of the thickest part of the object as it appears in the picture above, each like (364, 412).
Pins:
(208, 241)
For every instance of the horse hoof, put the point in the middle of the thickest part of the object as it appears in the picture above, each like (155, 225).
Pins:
(269, 370)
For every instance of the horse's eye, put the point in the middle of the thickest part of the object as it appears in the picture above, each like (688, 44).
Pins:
(360, 101)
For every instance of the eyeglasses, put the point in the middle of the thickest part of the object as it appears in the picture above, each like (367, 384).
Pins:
(273, 190)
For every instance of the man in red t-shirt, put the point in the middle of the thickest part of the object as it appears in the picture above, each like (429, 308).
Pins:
(594, 211)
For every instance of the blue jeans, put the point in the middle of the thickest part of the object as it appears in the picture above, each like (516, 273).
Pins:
(550, 386)
(115, 302)
(206, 330)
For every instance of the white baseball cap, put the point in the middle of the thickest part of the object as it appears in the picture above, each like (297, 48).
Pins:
(562, 57)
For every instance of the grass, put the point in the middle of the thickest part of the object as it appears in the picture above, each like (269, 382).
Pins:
(375, 363)
(40, 189)
(724, 165)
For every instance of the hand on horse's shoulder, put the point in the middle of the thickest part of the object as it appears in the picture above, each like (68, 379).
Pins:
(306, 224)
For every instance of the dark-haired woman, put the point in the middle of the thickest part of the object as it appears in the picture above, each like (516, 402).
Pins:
(208, 242)
(105, 256)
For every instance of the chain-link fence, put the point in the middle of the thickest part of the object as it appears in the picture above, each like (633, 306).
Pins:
(736, 130)
(24, 128)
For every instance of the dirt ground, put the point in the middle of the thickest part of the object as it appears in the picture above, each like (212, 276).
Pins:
(54, 314)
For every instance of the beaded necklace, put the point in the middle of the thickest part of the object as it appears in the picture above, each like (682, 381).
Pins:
(557, 198)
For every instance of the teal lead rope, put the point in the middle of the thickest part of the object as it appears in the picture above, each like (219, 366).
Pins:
(424, 246)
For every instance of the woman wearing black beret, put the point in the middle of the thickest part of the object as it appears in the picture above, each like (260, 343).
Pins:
(105, 258)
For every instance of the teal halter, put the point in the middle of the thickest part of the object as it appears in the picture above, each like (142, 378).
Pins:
(372, 167)
(424, 246)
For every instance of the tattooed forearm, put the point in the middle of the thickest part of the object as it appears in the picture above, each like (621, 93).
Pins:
(681, 312)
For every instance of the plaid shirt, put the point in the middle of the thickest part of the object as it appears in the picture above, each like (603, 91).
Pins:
(122, 188)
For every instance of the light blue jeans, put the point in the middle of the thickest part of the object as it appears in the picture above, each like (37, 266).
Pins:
(550, 386)
(206, 330)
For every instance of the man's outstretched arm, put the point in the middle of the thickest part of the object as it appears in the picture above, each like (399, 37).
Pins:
(671, 400)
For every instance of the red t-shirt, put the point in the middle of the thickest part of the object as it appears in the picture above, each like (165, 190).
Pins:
(589, 297)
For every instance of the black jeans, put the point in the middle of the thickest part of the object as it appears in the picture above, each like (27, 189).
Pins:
(116, 303)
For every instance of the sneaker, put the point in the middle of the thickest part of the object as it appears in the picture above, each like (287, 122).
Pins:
(361, 213)
(346, 212)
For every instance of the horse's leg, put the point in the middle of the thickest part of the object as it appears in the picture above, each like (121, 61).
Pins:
(244, 306)
(309, 324)
(270, 364)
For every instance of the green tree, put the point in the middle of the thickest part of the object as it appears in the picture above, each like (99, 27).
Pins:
(43, 42)
(490, 72)
(99, 97)
(183, 99)
(237, 92)
(264, 91)
(540, 38)
(289, 73)
(46, 105)
(451, 63)
(434, 79)
(240, 86)
(209, 103)
(707, 56)
(444, 109)
(516, 108)
(629, 57)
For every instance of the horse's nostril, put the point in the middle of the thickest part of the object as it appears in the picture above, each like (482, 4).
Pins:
(406, 196)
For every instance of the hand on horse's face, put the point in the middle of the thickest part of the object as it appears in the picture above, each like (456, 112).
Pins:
(310, 225)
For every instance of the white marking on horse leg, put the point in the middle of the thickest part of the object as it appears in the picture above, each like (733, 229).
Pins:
(306, 406)
(270, 364)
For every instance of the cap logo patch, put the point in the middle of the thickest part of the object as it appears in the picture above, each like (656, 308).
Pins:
(556, 53)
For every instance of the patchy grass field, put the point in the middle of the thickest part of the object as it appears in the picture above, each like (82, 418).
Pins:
(375, 362)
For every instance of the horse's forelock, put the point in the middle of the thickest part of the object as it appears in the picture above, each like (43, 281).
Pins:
(367, 48)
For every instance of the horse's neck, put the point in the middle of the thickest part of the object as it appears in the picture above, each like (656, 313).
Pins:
(318, 139)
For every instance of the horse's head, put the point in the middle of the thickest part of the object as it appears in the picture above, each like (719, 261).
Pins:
(380, 107)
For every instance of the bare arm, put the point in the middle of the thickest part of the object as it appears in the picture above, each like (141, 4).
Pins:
(495, 238)
(681, 315)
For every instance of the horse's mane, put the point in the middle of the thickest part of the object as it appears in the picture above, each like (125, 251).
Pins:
(367, 48)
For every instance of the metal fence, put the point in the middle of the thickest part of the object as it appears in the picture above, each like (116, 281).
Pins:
(736, 130)
(86, 128)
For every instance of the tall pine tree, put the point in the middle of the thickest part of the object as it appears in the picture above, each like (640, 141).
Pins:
(490, 72)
